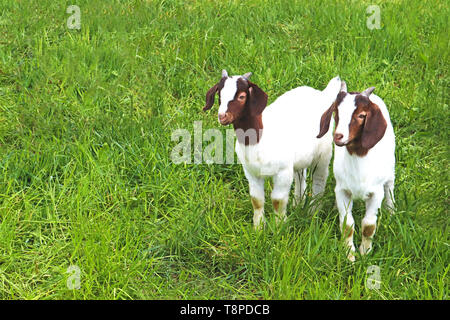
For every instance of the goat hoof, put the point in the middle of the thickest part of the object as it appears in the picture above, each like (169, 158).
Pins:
(280, 219)
(258, 224)
(365, 249)
(351, 256)
(258, 227)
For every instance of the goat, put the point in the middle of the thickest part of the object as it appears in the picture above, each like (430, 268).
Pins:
(364, 160)
(277, 141)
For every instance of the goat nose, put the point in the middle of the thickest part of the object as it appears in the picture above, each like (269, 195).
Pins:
(338, 136)
(222, 116)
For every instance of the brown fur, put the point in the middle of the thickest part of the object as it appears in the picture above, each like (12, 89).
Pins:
(348, 231)
(374, 126)
(210, 95)
(257, 204)
(369, 230)
(326, 117)
(365, 134)
(276, 205)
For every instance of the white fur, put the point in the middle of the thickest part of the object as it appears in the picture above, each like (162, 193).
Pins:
(227, 93)
(288, 145)
(370, 177)
(346, 109)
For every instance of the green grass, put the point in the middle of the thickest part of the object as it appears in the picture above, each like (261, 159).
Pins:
(86, 178)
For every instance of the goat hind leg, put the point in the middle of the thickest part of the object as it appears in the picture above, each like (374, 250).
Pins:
(320, 175)
(300, 186)
(389, 195)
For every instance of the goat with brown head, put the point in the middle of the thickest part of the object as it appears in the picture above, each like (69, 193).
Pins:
(277, 142)
(362, 122)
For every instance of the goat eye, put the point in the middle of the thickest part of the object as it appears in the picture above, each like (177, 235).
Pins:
(362, 116)
(242, 97)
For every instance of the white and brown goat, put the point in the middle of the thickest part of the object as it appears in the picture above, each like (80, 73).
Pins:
(364, 160)
(277, 141)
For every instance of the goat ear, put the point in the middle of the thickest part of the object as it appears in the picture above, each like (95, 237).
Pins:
(257, 99)
(210, 97)
(325, 120)
(374, 127)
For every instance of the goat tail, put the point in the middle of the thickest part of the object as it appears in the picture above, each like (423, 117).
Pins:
(331, 91)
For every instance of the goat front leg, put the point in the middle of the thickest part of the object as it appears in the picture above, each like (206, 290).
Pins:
(256, 186)
(369, 222)
(282, 182)
(344, 204)
(300, 186)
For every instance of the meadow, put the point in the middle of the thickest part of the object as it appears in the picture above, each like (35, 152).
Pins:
(88, 188)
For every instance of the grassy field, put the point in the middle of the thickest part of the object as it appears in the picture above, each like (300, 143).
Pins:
(86, 177)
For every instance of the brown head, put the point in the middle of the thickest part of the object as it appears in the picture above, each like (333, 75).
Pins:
(241, 102)
(359, 122)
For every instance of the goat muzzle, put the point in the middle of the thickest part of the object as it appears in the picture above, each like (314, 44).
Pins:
(337, 139)
(225, 119)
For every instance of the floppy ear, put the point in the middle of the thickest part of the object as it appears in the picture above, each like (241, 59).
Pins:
(325, 120)
(210, 97)
(257, 99)
(374, 127)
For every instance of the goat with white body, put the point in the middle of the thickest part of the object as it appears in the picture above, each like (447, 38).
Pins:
(364, 160)
(277, 141)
